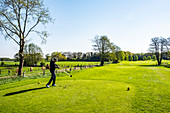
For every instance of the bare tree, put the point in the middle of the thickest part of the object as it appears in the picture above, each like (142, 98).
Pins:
(79, 55)
(159, 46)
(19, 18)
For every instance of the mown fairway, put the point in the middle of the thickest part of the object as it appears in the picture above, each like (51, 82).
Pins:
(98, 89)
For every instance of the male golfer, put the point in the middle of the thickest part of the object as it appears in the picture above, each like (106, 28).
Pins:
(52, 70)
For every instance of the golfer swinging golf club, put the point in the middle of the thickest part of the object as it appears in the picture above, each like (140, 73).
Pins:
(52, 70)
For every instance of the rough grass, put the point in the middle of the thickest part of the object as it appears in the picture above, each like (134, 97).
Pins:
(99, 89)
(10, 66)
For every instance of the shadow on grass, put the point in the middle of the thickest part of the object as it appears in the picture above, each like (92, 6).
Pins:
(153, 66)
(23, 91)
(149, 65)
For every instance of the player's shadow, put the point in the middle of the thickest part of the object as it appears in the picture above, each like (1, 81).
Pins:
(23, 91)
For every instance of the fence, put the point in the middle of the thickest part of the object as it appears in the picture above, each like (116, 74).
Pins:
(38, 70)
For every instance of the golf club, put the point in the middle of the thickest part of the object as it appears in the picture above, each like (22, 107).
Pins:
(67, 73)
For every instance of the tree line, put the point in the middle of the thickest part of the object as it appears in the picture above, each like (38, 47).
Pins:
(33, 54)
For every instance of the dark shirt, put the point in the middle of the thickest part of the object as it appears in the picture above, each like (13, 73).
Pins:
(53, 66)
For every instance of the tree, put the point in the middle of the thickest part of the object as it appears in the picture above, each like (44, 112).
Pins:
(159, 46)
(33, 54)
(154, 57)
(127, 58)
(47, 57)
(103, 46)
(144, 58)
(75, 55)
(84, 56)
(120, 55)
(127, 54)
(130, 58)
(19, 18)
(148, 57)
(135, 58)
(79, 55)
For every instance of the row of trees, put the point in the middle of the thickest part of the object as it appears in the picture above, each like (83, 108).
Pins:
(159, 47)
(94, 56)
(6, 59)
(108, 52)
(105, 51)
(73, 56)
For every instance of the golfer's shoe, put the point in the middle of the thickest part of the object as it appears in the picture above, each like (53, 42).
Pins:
(54, 85)
(48, 86)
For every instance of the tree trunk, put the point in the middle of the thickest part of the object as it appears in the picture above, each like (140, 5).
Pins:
(159, 62)
(157, 57)
(21, 55)
(102, 61)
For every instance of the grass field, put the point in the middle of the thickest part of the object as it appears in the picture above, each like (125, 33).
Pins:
(98, 89)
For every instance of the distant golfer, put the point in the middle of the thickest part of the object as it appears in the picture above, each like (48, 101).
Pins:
(52, 70)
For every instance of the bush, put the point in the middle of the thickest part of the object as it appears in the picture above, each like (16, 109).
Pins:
(149, 58)
(116, 61)
(2, 63)
(154, 57)
(144, 58)
(42, 64)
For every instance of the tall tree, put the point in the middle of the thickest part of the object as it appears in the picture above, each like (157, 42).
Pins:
(159, 46)
(32, 54)
(135, 58)
(103, 45)
(19, 18)
(120, 55)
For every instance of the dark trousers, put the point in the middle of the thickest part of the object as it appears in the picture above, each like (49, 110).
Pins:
(53, 77)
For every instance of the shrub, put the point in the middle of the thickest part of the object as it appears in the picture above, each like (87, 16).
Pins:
(154, 57)
(42, 64)
(2, 63)
(149, 58)
(144, 58)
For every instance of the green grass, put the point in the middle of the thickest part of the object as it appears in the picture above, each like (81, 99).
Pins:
(98, 89)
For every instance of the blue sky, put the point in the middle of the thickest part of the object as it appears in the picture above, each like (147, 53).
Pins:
(130, 24)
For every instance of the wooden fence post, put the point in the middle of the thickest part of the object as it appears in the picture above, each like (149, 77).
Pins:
(9, 72)
(43, 68)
